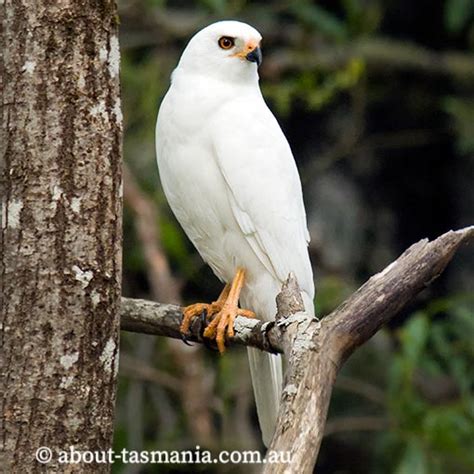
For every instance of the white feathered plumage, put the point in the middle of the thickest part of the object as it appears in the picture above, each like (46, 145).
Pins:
(230, 178)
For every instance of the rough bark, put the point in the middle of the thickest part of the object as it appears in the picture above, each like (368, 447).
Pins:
(60, 264)
(315, 350)
(149, 317)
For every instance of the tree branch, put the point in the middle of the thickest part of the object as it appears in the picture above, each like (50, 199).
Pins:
(148, 317)
(315, 350)
(385, 293)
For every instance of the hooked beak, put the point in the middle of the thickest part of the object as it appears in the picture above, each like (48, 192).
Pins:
(255, 56)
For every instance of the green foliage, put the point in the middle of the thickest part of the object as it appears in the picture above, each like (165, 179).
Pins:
(462, 115)
(215, 6)
(316, 89)
(457, 14)
(175, 245)
(145, 84)
(363, 17)
(331, 292)
(434, 435)
(319, 19)
(426, 435)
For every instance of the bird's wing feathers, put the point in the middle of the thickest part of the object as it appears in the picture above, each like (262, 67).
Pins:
(264, 188)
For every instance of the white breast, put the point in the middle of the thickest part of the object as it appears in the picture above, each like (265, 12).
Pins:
(195, 188)
(230, 179)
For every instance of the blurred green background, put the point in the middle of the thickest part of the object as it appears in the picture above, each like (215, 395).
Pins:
(377, 101)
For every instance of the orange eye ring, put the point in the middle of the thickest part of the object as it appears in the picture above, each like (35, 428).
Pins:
(226, 42)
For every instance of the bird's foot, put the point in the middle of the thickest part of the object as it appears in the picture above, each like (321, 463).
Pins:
(220, 313)
(222, 324)
(196, 310)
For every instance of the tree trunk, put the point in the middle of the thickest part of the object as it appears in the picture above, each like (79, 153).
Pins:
(60, 265)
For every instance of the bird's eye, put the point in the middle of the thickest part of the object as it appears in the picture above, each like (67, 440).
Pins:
(226, 42)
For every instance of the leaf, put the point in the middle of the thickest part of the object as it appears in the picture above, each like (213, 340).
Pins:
(414, 337)
(332, 291)
(447, 427)
(215, 6)
(362, 17)
(319, 19)
(457, 14)
(462, 113)
(413, 460)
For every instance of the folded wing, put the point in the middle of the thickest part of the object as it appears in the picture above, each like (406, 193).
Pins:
(264, 188)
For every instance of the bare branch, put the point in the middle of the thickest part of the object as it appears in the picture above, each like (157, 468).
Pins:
(315, 350)
(311, 373)
(383, 295)
(360, 316)
(159, 319)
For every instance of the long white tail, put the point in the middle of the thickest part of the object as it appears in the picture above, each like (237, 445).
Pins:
(267, 380)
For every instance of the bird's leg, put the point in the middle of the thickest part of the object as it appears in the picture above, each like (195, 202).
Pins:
(223, 321)
(194, 310)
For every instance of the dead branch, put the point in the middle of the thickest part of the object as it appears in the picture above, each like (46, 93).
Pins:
(148, 317)
(315, 350)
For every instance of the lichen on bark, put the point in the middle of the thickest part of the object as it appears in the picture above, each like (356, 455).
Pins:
(60, 263)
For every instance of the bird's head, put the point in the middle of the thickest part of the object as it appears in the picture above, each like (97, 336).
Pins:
(228, 50)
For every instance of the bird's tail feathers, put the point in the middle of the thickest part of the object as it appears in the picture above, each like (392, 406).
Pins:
(267, 380)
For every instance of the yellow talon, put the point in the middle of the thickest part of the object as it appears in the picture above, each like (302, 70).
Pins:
(194, 310)
(223, 312)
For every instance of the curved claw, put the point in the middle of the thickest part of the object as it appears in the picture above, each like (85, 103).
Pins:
(202, 328)
(185, 340)
(223, 313)
(203, 320)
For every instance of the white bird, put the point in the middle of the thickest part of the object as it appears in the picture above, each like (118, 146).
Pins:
(231, 180)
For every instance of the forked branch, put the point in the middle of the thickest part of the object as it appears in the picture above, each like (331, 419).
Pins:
(315, 350)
